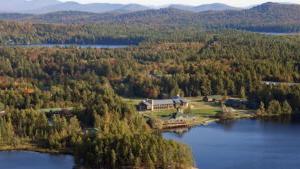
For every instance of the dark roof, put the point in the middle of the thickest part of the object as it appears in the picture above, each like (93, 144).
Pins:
(177, 100)
(165, 101)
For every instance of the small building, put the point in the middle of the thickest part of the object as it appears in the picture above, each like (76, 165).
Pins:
(163, 104)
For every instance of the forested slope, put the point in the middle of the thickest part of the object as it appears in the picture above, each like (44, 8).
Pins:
(268, 17)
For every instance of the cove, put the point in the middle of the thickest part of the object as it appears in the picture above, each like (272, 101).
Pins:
(33, 160)
(244, 144)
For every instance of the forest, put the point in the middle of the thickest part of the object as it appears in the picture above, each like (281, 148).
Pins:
(163, 25)
(103, 131)
(218, 63)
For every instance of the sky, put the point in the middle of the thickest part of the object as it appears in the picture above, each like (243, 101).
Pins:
(237, 3)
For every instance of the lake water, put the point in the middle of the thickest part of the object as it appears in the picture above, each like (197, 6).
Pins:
(73, 45)
(33, 160)
(279, 34)
(244, 144)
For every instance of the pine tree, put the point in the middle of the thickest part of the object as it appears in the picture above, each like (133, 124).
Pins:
(113, 159)
(286, 108)
(242, 92)
(261, 111)
(274, 108)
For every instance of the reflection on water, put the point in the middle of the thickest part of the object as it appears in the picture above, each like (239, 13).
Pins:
(179, 131)
(284, 119)
(245, 144)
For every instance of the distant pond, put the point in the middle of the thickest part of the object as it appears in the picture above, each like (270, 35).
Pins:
(279, 34)
(244, 144)
(33, 160)
(71, 45)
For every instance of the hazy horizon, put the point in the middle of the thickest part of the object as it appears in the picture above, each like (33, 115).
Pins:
(236, 3)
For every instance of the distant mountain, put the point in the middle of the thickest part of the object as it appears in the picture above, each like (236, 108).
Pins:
(74, 6)
(206, 7)
(49, 6)
(268, 17)
(163, 16)
(93, 7)
(132, 8)
(11, 6)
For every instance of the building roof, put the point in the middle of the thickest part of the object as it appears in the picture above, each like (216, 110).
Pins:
(165, 101)
(146, 102)
(174, 100)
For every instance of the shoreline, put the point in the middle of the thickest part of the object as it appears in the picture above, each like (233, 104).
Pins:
(209, 121)
(35, 148)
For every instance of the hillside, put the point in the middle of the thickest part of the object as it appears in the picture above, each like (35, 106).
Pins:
(206, 7)
(50, 6)
(93, 7)
(268, 17)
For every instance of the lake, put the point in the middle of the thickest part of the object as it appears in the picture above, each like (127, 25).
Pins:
(71, 45)
(244, 144)
(279, 34)
(33, 160)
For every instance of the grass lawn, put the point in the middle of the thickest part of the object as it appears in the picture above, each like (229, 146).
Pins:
(201, 108)
(204, 112)
(162, 113)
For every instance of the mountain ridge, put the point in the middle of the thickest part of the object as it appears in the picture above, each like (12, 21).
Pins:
(265, 17)
(204, 7)
(49, 6)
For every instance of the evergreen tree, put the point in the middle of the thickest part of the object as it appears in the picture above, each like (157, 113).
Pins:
(274, 108)
(261, 111)
(286, 108)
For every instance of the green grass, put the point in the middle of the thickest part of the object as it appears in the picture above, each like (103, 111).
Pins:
(200, 108)
(162, 113)
(204, 112)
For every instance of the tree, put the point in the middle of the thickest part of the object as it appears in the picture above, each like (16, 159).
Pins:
(176, 91)
(113, 159)
(75, 131)
(8, 133)
(188, 110)
(286, 108)
(1, 106)
(274, 108)
(261, 111)
(242, 93)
